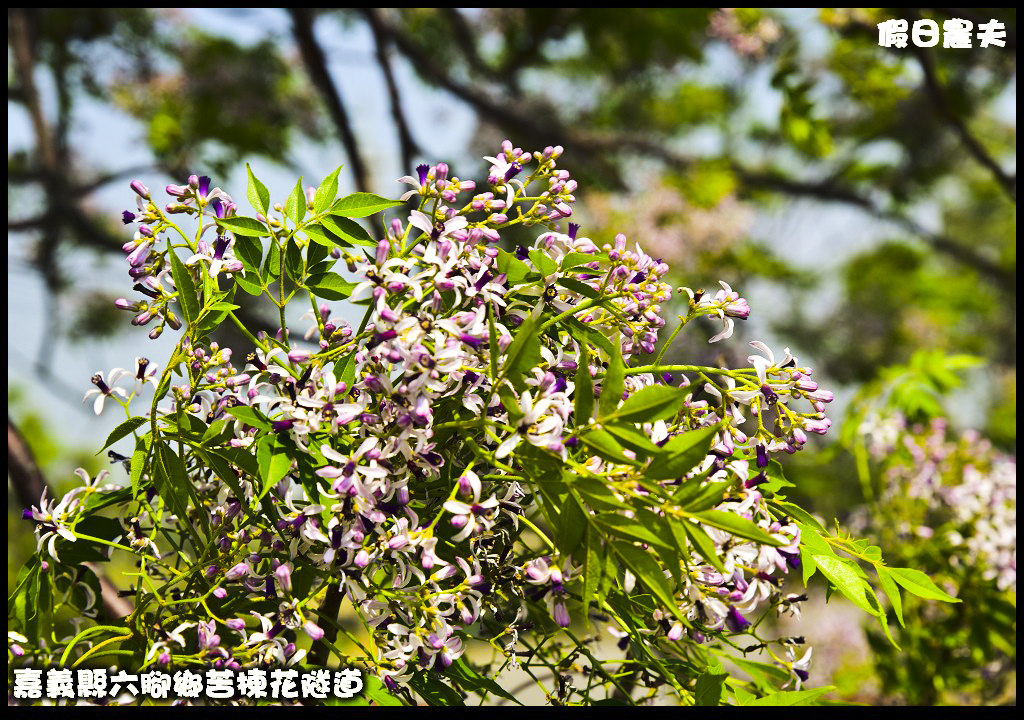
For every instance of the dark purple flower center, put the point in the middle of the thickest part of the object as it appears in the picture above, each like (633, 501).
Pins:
(150, 292)
(512, 171)
(422, 170)
(756, 480)
(97, 380)
(218, 207)
(736, 621)
(762, 456)
(573, 229)
(484, 279)
(204, 186)
(220, 246)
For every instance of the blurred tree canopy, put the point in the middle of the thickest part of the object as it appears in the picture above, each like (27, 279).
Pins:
(683, 122)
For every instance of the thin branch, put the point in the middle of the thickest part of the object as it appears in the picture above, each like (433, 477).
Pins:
(34, 223)
(405, 139)
(26, 478)
(973, 145)
(484, 104)
(829, 191)
(114, 176)
(316, 66)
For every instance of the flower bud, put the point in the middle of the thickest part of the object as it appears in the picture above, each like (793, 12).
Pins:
(284, 577)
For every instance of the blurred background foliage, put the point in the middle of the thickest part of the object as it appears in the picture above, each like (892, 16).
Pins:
(716, 138)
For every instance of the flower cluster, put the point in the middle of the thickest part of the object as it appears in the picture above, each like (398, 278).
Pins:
(967, 490)
(414, 464)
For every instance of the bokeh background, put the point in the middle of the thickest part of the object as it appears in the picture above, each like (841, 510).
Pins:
(862, 198)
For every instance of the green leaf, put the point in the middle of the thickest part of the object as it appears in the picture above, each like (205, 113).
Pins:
(248, 285)
(280, 464)
(736, 525)
(250, 416)
(606, 446)
(327, 192)
(682, 453)
(613, 384)
(259, 196)
(776, 479)
(657, 402)
(649, 572)
(293, 260)
(244, 227)
(593, 565)
(274, 463)
(763, 672)
(362, 204)
(624, 527)
(631, 439)
(374, 689)
(470, 679)
(583, 395)
(581, 331)
(848, 582)
(221, 466)
(492, 336)
(571, 527)
(807, 564)
(705, 497)
(793, 697)
(523, 354)
(891, 591)
(708, 691)
(172, 484)
(223, 305)
(917, 583)
(798, 513)
(345, 369)
(348, 230)
(188, 298)
(295, 206)
(429, 686)
(316, 254)
(514, 268)
(138, 465)
(578, 287)
(123, 430)
(83, 550)
(543, 262)
(814, 542)
(319, 236)
(272, 265)
(574, 259)
(330, 286)
(510, 402)
(700, 541)
(595, 493)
